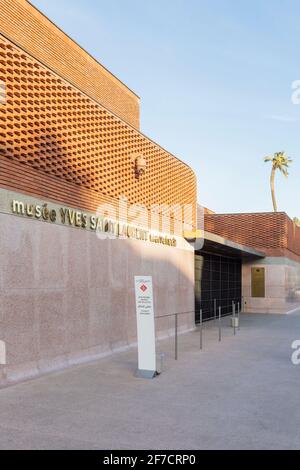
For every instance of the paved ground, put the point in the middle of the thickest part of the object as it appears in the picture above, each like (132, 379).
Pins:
(239, 394)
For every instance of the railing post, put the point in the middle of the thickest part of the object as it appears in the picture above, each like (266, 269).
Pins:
(239, 311)
(201, 331)
(176, 337)
(215, 309)
(220, 317)
(234, 326)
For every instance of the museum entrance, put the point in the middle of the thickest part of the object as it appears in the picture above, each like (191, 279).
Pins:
(218, 282)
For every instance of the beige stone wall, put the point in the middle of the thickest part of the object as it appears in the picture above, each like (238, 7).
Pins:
(282, 286)
(68, 297)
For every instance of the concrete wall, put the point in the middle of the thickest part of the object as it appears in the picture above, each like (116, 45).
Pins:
(282, 286)
(68, 297)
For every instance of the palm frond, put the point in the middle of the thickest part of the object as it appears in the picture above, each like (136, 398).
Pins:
(284, 172)
(280, 161)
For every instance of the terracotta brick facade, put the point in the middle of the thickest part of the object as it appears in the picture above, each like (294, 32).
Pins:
(23, 24)
(58, 143)
(207, 211)
(273, 233)
(293, 237)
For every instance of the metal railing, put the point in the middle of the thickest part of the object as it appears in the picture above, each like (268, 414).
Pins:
(236, 310)
(175, 315)
(227, 306)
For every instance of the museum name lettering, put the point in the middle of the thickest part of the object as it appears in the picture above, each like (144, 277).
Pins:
(82, 220)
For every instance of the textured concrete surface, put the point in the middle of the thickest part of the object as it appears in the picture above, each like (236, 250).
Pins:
(239, 394)
(67, 296)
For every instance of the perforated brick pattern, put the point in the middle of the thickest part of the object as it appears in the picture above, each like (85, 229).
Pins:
(293, 237)
(50, 127)
(33, 32)
(273, 233)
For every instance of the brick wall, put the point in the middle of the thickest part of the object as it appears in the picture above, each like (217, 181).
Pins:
(293, 237)
(58, 143)
(208, 211)
(273, 233)
(33, 32)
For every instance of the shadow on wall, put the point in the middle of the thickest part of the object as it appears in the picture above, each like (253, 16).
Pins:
(68, 297)
(293, 295)
(31, 175)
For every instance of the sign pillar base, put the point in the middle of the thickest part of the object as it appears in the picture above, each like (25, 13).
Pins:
(145, 374)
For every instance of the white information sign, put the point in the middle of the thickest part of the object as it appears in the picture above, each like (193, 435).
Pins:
(145, 326)
(2, 353)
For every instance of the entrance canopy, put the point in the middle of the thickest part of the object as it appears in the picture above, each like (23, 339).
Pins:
(221, 246)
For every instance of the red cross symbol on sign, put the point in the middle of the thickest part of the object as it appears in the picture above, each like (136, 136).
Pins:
(143, 287)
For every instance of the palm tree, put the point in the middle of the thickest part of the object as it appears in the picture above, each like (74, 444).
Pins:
(281, 162)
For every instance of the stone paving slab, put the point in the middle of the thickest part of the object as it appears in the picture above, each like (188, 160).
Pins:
(241, 393)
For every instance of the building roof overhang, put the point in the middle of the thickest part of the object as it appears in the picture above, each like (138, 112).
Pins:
(212, 243)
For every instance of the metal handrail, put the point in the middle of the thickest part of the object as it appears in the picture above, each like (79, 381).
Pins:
(220, 316)
(194, 312)
(172, 314)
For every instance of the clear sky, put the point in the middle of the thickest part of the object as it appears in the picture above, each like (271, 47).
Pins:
(214, 77)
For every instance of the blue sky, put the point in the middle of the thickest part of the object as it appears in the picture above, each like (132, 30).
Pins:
(214, 77)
